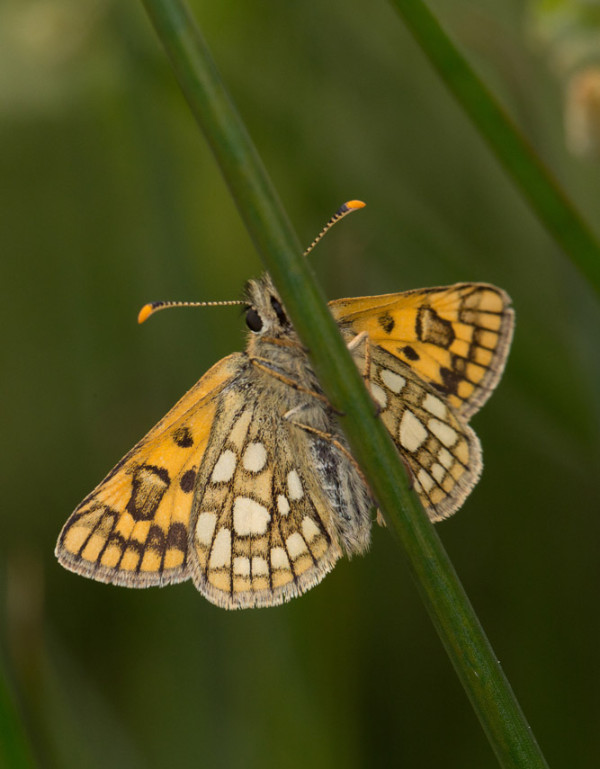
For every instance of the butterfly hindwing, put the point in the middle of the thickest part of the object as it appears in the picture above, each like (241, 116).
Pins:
(133, 528)
(455, 337)
(262, 531)
(441, 450)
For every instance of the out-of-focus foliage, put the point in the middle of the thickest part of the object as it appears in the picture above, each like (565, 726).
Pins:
(569, 30)
(110, 199)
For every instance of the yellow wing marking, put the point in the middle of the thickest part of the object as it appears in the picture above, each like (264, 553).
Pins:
(133, 528)
(455, 337)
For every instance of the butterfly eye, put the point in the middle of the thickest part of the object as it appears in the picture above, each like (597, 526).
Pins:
(253, 320)
(281, 316)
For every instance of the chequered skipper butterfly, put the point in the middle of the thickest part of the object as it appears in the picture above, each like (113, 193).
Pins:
(247, 486)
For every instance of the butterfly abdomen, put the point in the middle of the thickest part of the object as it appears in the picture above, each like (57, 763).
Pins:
(346, 492)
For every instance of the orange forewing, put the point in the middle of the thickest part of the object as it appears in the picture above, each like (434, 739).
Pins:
(455, 337)
(133, 528)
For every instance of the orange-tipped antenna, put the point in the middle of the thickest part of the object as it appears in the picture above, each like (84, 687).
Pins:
(347, 208)
(149, 309)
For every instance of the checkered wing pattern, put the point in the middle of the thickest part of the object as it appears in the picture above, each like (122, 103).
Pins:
(263, 529)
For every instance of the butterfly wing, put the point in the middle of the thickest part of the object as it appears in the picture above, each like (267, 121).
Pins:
(263, 531)
(133, 528)
(456, 338)
(441, 450)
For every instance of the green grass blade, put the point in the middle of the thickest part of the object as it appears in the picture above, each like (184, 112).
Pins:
(446, 601)
(535, 182)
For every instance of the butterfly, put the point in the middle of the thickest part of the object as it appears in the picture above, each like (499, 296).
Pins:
(248, 487)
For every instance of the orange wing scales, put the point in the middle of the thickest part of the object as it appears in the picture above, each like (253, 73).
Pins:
(133, 528)
(457, 337)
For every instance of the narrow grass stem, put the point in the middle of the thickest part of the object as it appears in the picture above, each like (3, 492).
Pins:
(523, 165)
(444, 597)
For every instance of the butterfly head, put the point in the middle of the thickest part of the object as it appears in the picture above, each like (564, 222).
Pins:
(266, 317)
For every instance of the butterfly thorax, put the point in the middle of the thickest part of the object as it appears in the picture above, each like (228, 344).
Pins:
(276, 351)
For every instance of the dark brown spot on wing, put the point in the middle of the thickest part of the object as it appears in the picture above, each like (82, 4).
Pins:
(149, 485)
(450, 381)
(410, 353)
(386, 322)
(156, 539)
(177, 536)
(430, 327)
(188, 479)
(183, 437)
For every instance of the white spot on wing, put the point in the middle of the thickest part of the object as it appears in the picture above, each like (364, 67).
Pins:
(445, 458)
(425, 480)
(309, 529)
(279, 559)
(249, 517)
(260, 568)
(435, 406)
(296, 545)
(240, 428)
(294, 484)
(438, 472)
(393, 382)
(224, 468)
(221, 550)
(255, 457)
(446, 434)
(282, 504)
(205, 527)
(411, 432)
(378, 394)
(241, 566)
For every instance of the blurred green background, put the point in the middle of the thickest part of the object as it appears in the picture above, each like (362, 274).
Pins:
(110, 199)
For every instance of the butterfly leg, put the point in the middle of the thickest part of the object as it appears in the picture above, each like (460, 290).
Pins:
(353, 344)
(295, 410)
(358, 339)
(380, 519)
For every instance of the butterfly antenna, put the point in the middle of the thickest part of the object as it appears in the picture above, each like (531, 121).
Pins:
(347, 208)
(149, 309)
